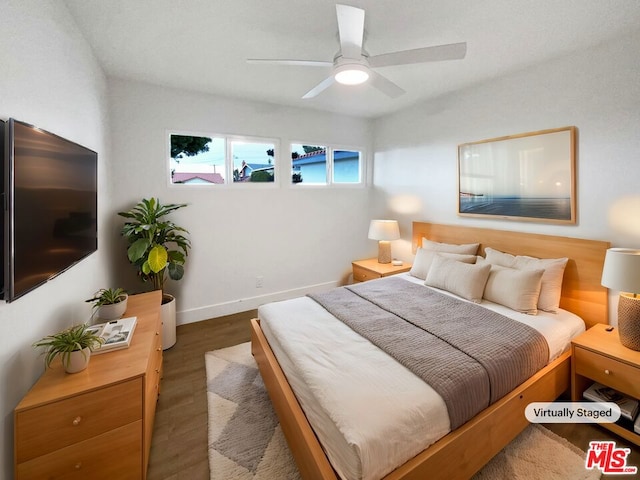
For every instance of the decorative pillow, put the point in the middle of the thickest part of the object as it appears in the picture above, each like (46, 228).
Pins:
(465, 249)
(464, 279)
(551, 289)
(517, 289)
(424, 258)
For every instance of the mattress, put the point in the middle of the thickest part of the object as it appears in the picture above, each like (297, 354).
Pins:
(370, 413)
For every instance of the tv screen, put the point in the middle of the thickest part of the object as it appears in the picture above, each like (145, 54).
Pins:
(50, 220)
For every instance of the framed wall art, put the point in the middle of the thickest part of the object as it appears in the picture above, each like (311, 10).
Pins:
(528, 177)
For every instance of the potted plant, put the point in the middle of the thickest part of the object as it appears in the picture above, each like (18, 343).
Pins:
(109, 303)
(74, 345)
(158, 248)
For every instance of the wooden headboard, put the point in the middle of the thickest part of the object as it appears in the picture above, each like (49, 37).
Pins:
(582, 292)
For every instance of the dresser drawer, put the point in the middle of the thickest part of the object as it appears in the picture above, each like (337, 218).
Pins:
(608, 371)
(55, 425)
(113, 455)
(362, 274)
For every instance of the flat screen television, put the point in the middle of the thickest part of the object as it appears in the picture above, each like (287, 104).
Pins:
(50, 206)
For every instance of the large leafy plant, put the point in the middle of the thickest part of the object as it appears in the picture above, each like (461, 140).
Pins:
(156, 246)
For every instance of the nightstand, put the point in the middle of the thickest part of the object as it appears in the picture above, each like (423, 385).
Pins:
(369, 269)
(598, 356)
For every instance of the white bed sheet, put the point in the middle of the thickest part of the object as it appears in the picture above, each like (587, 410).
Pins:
(370, 413)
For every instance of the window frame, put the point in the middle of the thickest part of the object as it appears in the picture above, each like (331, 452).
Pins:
(229, 139)
(329, 167)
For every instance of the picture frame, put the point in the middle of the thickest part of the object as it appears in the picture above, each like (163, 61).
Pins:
(525, 177)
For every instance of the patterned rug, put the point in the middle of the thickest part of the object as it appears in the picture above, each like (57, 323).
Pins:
(246, 442)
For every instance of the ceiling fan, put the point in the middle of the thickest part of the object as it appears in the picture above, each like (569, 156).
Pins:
(352, 65)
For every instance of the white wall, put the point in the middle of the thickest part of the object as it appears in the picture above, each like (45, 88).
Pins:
(297, 238)
(415, 164)
(50, 79)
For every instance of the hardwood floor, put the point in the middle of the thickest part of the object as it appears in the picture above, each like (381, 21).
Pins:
(179, 445)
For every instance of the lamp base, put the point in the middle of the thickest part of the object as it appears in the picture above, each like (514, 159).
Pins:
(384, 251)
(629, 321)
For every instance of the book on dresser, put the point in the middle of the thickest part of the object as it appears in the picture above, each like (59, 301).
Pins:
(601, 393)
(116, 334)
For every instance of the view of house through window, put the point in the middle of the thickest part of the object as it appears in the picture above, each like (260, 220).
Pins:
(313, 164)
(226, 159)
(216, 160)
(252, 162)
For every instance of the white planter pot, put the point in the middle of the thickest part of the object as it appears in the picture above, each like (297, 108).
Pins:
(113, 311)
(76, 361)
(168, 317)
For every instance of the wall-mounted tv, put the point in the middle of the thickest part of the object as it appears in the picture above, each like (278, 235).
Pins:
(50, 206)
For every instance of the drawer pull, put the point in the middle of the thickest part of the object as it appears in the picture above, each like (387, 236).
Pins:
(607, 371)
(76, 421)
(78, 465)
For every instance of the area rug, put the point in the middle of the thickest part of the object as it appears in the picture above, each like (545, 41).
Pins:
(246, 442)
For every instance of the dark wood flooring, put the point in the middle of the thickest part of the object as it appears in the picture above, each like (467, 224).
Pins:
(179, 445)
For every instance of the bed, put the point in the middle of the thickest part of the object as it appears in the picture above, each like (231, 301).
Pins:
(464, 450)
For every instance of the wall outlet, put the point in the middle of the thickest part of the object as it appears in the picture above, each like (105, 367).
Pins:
(259, 281)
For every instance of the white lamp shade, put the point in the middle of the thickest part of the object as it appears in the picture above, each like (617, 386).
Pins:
(386, 230)
(622, 270)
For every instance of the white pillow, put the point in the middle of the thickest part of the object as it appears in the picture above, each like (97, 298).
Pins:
(517, 289)
(464, 279)
(424, 258)
(465, 249)
(551, 289)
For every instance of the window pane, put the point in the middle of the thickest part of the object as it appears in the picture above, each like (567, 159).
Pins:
(253, 162)
(197, 160)
(346, 166)
(309, 164)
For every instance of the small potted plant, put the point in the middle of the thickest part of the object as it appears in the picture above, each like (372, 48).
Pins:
(109, 303)
(74, 346)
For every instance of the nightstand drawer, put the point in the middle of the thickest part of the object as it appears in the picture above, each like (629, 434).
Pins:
(608, 371)
(362, 274)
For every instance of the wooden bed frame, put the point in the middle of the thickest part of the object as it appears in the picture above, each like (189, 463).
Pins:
(466, 450)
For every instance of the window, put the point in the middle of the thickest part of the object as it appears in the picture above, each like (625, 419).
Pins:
(221, 159)
(252, 161)
(322, 165)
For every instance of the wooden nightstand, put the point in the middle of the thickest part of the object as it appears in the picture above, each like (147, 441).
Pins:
(369, 269)
(597, 355)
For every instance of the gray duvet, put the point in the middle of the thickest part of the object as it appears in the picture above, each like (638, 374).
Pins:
(470, 355)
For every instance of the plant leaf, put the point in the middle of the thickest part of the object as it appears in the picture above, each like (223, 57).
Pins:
(157, 258)
(137, 249)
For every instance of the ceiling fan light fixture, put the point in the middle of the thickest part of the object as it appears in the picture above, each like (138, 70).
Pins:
(353, 74)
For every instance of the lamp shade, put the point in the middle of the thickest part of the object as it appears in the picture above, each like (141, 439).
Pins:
(622, 270)
(386, 230)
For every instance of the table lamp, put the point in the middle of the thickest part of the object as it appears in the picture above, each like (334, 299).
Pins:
(622, 272)
(384, 231)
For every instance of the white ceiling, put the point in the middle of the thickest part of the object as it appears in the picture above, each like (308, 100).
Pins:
(202, 45)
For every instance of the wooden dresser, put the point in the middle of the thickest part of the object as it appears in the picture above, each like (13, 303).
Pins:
(97, 423)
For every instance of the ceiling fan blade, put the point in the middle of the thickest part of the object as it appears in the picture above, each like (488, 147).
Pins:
(385, 85)
(452, 51)
(350, 30)
(322, 86)
(302, 63)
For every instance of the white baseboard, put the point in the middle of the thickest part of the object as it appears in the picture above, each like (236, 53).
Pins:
(242, 305)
